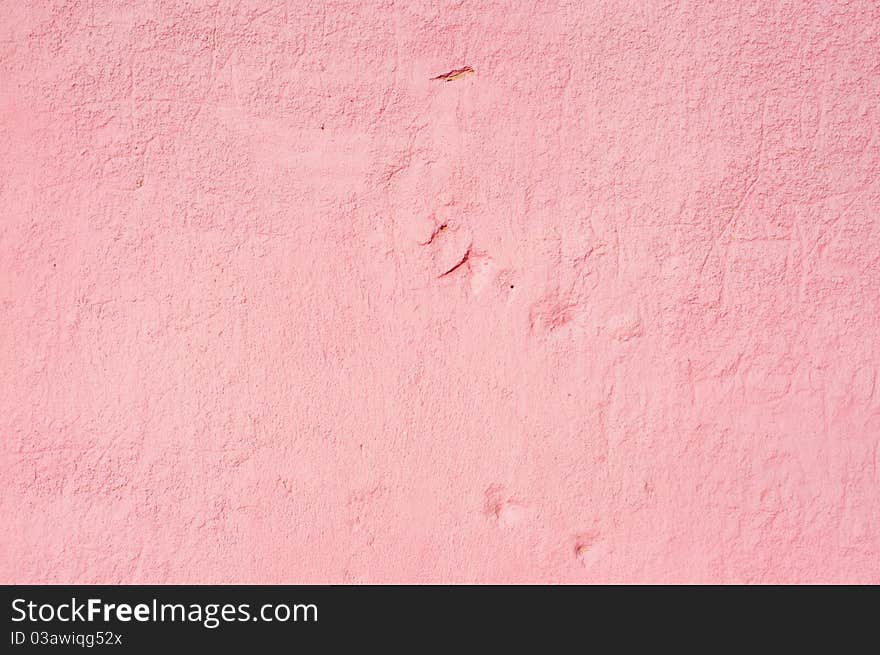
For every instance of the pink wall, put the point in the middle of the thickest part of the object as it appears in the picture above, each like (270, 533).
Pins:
(230, 350)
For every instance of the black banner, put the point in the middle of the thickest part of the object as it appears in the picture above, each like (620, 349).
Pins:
(147, 618)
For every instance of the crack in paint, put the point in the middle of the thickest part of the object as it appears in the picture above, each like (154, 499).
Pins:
(461, 262)
(456, 74)
(440, 229)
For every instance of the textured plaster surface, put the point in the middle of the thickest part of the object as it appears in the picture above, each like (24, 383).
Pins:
(279, 302)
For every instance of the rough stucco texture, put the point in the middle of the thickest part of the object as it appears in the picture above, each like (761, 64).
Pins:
(277, 306)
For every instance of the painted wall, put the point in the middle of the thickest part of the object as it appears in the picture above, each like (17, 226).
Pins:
(277, 306)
